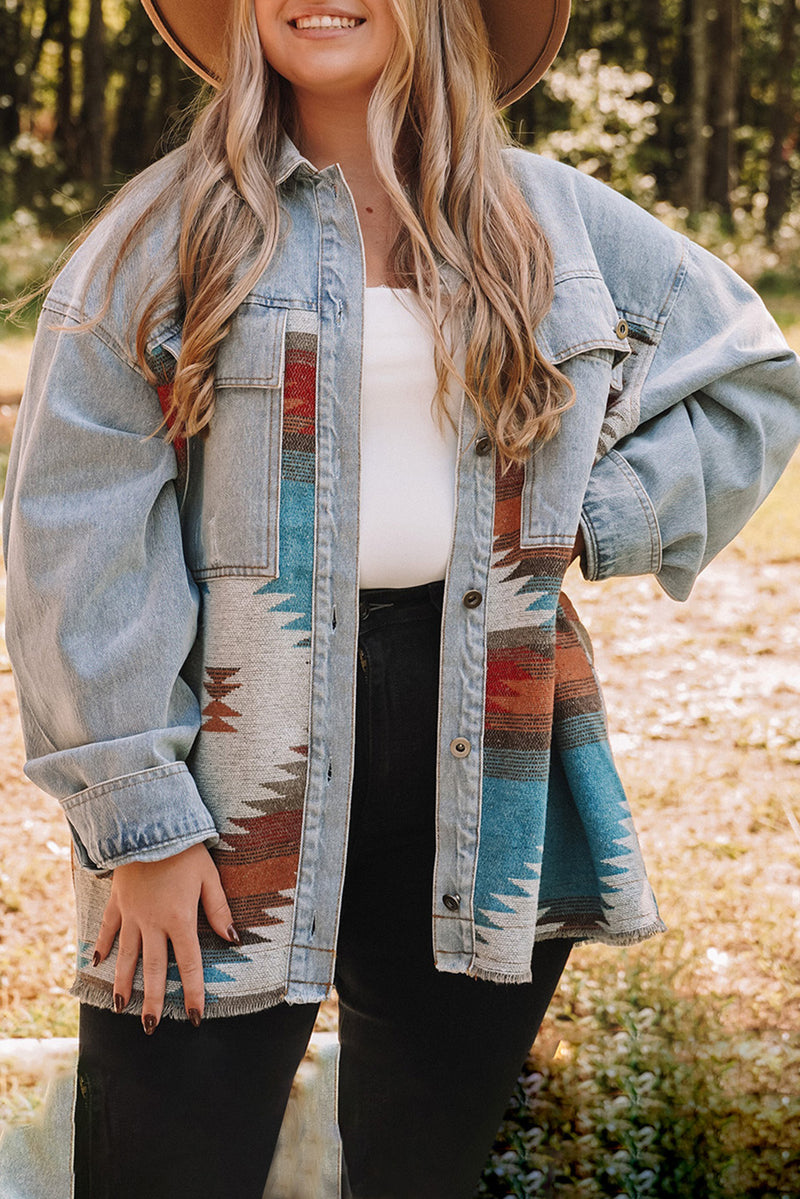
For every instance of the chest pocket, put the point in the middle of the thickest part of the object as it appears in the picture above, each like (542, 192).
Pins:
(588, 339)
(232, 507)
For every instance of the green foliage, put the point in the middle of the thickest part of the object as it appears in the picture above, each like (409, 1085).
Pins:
(742, 242)
(604, 121)
(26, 256)
(33, 176)
(649, 1094)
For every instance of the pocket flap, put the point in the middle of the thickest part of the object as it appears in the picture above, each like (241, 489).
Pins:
(252, 354)
(582, 318)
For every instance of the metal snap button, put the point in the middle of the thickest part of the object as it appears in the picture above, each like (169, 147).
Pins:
(460, 747)
(483, 447)
(452, 901)
(621, 330)
(472, 599)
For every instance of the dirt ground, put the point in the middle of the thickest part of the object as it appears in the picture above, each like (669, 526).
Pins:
(704, 704)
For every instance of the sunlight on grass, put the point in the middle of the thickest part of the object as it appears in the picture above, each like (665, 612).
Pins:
(15, 350)
(773, 534)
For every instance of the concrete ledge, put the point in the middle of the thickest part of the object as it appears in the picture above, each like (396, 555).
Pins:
(35, 1158)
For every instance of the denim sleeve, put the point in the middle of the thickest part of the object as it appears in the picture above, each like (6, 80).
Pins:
(101, 611)
(719, 420)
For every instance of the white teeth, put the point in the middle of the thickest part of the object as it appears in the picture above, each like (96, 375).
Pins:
(326, 22)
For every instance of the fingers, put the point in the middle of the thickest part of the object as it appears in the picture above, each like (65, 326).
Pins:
(215, 906)
(154, 972)
(108, 931)
(186, 948)
(127, 957)
(153, 948)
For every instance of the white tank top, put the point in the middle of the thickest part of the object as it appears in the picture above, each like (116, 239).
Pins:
(408, 464)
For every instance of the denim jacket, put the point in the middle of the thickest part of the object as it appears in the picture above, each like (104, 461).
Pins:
(185, 655)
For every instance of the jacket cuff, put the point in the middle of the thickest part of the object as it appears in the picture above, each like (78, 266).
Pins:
(139, 817)
(619, 523)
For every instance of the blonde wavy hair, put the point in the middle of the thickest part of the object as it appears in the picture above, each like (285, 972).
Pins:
(436, 139)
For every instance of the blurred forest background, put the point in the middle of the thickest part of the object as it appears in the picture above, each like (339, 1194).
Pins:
(669, 1069)
(691, 107)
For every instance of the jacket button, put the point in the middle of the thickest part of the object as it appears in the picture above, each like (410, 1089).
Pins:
(452, 901)
(472, 599)
(621, 330)
(460, 747)
(483, 447)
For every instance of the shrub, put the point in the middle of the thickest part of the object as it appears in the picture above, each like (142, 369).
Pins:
(649, 1095)
(605, 122)
(26, 256)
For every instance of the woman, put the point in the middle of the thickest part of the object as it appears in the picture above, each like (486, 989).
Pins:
(297, 652)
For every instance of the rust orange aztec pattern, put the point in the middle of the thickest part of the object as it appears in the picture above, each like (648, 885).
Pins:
(546, 865)
(260, 820)
(558, 855)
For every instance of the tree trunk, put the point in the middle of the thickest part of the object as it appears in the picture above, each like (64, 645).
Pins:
(93, 111)
(651, 36)
(784, 122)
(697, 153)
(722, 167)
(17, 48)
(135, 54)
(9, 80)
(65, 132)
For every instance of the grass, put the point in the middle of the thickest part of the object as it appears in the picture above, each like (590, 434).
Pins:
(773, 534)
(15, 350)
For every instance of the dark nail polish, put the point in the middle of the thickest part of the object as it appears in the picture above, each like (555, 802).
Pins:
(195, 1017)
(149, 1023)
(233, 935)
(95, 957)
(119, 1003)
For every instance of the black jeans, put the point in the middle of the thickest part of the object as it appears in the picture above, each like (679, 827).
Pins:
(428, 1060)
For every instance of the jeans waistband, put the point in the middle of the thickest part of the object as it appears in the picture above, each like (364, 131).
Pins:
(372, 598)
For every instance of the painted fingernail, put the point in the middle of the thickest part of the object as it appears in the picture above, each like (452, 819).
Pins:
(233, 935)
(119, 1003)
(195, 1017)
(95, 957)
(149, 1023)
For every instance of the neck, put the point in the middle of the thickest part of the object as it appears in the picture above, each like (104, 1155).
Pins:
(335, 132)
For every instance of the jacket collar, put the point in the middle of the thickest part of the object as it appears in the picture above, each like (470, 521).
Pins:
(291, 160)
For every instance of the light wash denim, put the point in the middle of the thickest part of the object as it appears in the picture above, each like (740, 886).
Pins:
(127, 601)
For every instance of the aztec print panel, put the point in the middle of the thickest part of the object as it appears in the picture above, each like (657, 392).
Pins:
(250, 759)
(520, 681)
(572, 866)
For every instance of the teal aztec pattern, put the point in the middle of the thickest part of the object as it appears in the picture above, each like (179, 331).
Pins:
(252, 773)
(566, 870)
(250, 766)
(552, 860)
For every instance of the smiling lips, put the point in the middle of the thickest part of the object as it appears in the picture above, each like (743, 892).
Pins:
(326, 21)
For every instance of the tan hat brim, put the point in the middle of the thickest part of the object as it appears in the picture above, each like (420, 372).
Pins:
(525, 36)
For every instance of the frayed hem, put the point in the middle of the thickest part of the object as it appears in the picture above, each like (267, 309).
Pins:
(604, 936)
(491, 975)
(501, 973)
(100, 994)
